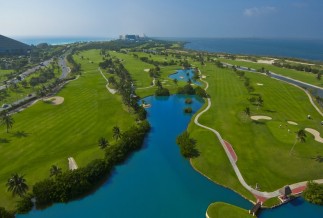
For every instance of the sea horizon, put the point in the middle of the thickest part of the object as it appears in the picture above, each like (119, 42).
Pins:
(310, 49)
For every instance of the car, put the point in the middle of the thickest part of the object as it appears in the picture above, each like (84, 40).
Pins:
(5, 105)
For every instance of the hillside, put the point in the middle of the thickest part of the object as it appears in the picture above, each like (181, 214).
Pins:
(11, 46)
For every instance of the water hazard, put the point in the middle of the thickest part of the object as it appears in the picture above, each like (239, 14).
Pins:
(156, 181)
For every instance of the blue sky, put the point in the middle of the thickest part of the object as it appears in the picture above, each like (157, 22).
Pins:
(164, 18)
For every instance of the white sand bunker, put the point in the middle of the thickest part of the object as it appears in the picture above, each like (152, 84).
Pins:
(146, 105)
(260, 84)
(147, 70)
(56, 100)
(260, 118)
(292, 123)
(316, 134)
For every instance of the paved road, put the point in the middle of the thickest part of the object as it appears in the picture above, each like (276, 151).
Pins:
(65, 69)
(27, 73)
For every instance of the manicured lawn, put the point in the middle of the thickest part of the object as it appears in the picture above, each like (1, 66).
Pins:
(262, 147)
(224, 210)
(294, 74)
(136, 68)
(46, 134)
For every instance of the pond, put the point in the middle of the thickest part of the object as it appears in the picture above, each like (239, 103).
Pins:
(185, 75)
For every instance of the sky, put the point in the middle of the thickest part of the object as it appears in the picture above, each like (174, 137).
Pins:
(163, 18)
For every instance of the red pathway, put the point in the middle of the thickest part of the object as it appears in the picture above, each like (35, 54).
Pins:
(298, 189)
(260, 198)
(230, 149)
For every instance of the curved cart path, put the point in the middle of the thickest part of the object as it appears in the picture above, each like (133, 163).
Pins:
(112, 91)
(261, 196)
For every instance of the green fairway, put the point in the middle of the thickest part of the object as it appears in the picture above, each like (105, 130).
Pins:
(46, 134)
(136, 68)
(262, 147)
(294, 74)
(224, 210)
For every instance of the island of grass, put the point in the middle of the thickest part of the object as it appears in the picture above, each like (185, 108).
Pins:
(224, 210)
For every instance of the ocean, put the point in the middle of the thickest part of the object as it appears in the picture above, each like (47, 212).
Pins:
(307, 49)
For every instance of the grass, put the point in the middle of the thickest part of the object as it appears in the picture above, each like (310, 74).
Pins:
(262, 147)
(46, 134)
(220, 209)
(136, 68)
(294, 74)
(3, 74)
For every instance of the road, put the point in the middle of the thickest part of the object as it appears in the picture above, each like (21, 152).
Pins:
(65, 69)
(27, 73)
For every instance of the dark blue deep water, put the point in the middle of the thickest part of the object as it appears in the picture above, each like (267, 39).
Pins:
(156, 181)
(295, 48)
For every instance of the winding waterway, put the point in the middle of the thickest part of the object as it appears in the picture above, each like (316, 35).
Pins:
(156, 181)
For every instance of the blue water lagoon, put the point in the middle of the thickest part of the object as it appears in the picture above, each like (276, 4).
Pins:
(185, 75)
(155, 181)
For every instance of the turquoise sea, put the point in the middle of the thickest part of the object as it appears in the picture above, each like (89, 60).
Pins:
(308, 49)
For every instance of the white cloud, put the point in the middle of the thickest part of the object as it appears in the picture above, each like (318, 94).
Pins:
(257, 11)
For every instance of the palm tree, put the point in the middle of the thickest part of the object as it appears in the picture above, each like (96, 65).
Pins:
(259, 102)
(300, 137)
(175, 81)
(247, 111)
(103, 143)
(159, 84)
(55, 170)
(7, 120)
(17, 185)
(116, 133)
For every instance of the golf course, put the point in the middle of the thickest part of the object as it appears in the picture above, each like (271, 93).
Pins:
(259, 116)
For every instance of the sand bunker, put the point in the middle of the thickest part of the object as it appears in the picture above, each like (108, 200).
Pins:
(56, 100)
(260, 84)
(266, 61)
(147, 70)
(316, 134)
(292, 123)
(260, 118)
(146, 105)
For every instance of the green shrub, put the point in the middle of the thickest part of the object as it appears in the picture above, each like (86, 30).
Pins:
(162, 92)
(314, 193)
(188, 110)
(25, 204)
(6, 214)
(188, 101)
